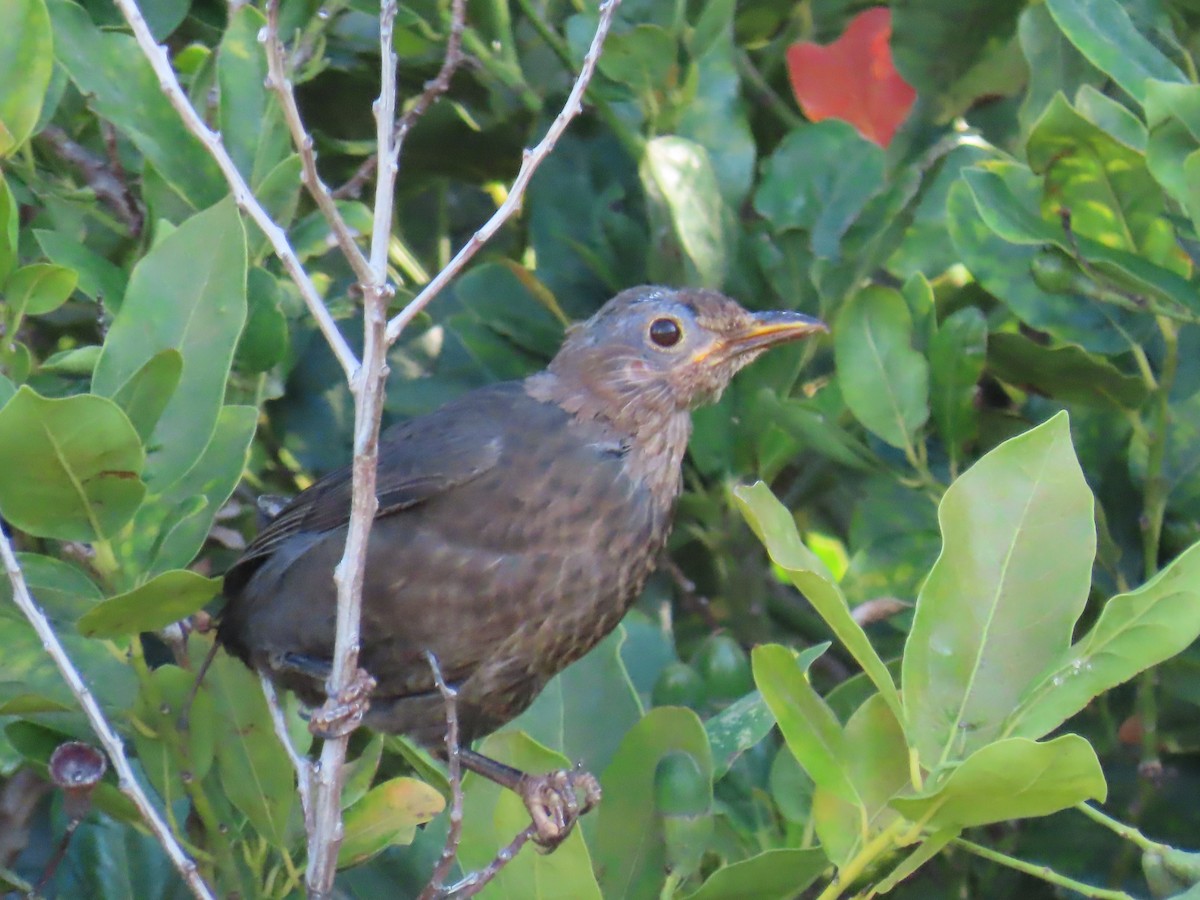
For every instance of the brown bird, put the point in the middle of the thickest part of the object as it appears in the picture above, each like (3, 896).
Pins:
(516, 525)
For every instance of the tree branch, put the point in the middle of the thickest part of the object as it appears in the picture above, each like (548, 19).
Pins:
(530, 162)
(245, 198)
(436, 887)
(302, 766)
(279, 82)
(108, 738)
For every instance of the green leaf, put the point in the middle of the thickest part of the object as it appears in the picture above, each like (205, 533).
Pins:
(564, 716)
(685, 202)
(809, 727)
(771, 875)
(876, 763)
(1105, 185)
(361, 772)
(929, 847)
(26, 63)
(492, 815)
(1054, 64)
(254, 768)
(776, 529)
(1012, 778)
(884, 381)
(1068, 373)
(7, 390)
(820, 179)
(164, 751)
(38, 288)
(109, 66)
(387, 816)
(956, 359)
(191, 302)
(1104, 33)
(146, 394)
(8, 230)
(1018, 540)
(736, 729)
(98, 278)
(642, 58)
(250, 125)
(1136, 630)
(164, 599)
(264, 340)
(630, 843)
(69, 469)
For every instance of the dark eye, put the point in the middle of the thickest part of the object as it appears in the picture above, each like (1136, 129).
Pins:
(665, 332)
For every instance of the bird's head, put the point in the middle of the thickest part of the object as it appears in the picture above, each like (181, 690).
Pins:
(653, 351)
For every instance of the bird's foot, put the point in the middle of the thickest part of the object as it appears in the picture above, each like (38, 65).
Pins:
(343, 713)
(555, 802)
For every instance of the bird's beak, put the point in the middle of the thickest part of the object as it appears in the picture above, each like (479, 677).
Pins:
(765, 330)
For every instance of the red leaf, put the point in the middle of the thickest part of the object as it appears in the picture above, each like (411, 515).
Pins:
(853, 78)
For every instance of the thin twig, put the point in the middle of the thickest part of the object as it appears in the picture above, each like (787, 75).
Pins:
(1045, 873)
(530, 162)
(368, 387)
(99, 724)
(105, 183)
(436, 889)
(246, 201)
(301, 764)
(279, 81)
(477, 881)
(434, 88)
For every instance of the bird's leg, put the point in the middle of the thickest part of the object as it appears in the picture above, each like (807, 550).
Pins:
(555, 800)
(343, 713)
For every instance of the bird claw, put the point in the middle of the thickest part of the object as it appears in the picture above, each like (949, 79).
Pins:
(341, 715)
(555, 802)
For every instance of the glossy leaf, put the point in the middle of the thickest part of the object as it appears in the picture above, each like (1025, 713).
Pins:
(1135, 630)
(853, 79)
(493, 815)
(69, 468)
(387, 816)
(254, 768)
(1068, 373)
(39, 288)
(820, 179)
(1013, 778)
(108, 66)
(164, 599)
(1018, 541)
(956, 359)
(26, 61)
(811, 730)
(191, 302)
(630, 845)
(884, 380)
(736, 729)
(771, 875)
(776, 528)
(682, 188)
(1055, 65)
(1104, 33)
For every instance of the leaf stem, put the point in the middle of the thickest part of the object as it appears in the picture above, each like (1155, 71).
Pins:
(871, 851)
(1045, 873)
(1126, 832)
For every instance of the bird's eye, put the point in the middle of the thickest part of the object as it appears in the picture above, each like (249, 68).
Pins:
(665, 332)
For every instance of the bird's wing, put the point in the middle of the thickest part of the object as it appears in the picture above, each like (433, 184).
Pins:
(418, 460)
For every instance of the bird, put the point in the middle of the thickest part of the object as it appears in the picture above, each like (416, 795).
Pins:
(515, 527)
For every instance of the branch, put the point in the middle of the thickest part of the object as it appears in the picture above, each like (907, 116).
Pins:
(325, 835)
(157, 55)
(530, 162)
(107, 184)
(436, 889)
(1045, 873)
(108, 738)
(477, 881)
(279, 82)
(302, 766)
(433, 89)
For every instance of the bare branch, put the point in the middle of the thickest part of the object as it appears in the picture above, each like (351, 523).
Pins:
(302, 766)
(245, 198)
(325, 836)
(434, 88)
(279, 82)
(530, 162)
(477, 881)
(106, 183)
(436, 889)
(108, 738)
